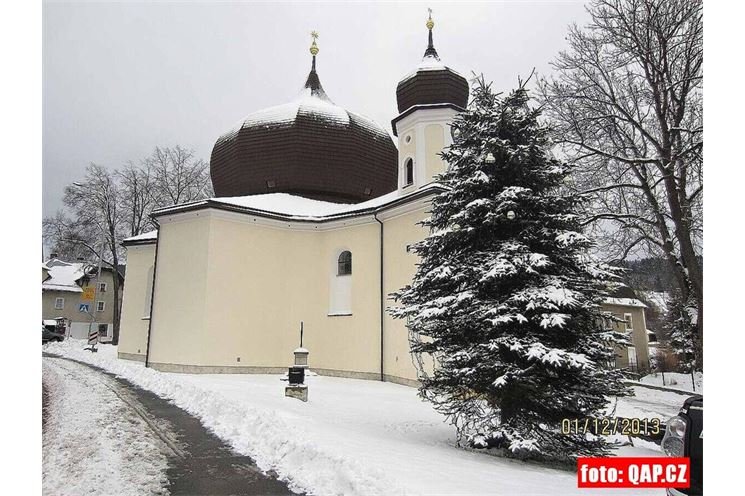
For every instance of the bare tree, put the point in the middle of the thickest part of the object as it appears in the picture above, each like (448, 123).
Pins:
(626, 102)
(178, 176)
(115, 204)
(137, 197)
(93, 226)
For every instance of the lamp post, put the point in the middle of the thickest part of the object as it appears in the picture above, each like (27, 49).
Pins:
(93, 337)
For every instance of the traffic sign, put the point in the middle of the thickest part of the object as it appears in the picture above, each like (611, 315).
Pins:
(84, 307)
(89, 293)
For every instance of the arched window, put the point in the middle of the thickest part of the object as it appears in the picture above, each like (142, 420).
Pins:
(345, 264)
(408, 172)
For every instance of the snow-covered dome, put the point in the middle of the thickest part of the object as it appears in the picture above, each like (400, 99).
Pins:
(432, 83)
(309, 147)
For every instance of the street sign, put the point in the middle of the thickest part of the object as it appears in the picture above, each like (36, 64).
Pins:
(89, 293)
(93, 337)
(84, 307)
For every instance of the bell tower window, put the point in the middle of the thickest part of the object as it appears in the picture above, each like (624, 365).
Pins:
(408, 172)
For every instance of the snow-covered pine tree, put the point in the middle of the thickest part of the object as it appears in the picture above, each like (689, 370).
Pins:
(506, 297)
(680, 325)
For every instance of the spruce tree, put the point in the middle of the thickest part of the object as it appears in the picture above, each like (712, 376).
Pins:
(506, 298)
(681, 327)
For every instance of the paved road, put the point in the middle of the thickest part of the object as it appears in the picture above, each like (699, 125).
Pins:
(199, 463)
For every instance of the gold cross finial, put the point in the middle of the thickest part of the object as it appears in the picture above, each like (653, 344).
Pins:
(313, 47)
(430, 22)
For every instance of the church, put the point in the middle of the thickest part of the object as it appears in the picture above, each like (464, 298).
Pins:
(314, 213)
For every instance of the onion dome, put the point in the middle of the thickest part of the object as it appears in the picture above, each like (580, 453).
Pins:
(308, 147)
(432, 83)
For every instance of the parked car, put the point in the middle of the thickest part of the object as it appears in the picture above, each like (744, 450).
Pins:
(48, 335)
(684, 437)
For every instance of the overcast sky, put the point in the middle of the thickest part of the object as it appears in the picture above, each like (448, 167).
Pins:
(122, 78)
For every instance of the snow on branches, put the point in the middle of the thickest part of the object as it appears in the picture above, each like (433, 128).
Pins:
(506, 298)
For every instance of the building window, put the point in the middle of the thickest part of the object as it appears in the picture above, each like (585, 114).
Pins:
(340, 283)
(103, 330)
(345, 264)
(59, 303)
(100, 306)
(632, 356)
(408, 172)
(101, 287)
(629, 321)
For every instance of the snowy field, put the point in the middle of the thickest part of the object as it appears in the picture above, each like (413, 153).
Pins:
(354, 436)
(676, 380)
(92, 443)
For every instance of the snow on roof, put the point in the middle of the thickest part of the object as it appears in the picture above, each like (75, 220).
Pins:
(287, 112)
(143, 237)
(429, 63)
(656, 298)
(304, 208)
(63, 276)
(625, 302)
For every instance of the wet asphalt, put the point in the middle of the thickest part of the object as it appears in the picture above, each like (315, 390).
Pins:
(199, 463)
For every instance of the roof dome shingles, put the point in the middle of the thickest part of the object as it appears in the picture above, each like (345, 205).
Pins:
(310, 147)
(432, 82)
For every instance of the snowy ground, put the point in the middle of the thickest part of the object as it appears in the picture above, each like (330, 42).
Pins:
(676, 380)
(91, 442)
(353, 436)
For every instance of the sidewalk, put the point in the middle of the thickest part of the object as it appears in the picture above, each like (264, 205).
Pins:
(198, 461)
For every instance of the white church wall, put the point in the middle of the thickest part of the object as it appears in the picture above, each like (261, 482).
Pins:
(422, 135)
(434, 136)
(177, 331)
(263, 281)
(231, 292)
(400, 265)
(134, 321)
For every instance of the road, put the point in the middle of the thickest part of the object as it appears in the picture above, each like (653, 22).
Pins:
(103, 435)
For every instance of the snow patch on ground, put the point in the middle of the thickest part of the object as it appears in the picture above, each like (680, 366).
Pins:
(92, 443)
(676, 380)
(351, 437)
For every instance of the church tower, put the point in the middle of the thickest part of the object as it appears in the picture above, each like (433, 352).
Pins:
(428, 99)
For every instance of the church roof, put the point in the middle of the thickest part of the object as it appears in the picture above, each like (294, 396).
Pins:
(308, 147)
(291, 207)
(145, 238)
(431, 83)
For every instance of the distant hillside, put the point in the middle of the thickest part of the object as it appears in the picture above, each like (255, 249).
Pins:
(652, 281)
(649, 274)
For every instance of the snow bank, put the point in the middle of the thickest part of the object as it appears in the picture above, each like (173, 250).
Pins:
(259, 433)
(676, 380)
(351, 437)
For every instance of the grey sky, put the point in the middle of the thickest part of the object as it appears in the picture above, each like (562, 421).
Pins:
(121, 78)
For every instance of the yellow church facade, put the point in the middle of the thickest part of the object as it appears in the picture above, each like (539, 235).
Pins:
(224, 283)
